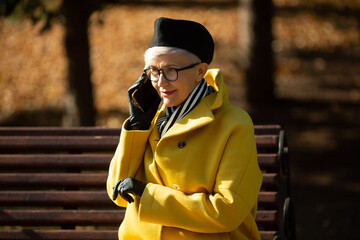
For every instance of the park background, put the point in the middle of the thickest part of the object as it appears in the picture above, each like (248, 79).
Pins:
(316, 48)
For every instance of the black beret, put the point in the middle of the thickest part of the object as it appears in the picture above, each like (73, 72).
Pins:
(184, 34)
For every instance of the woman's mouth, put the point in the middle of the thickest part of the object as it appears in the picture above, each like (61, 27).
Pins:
(167, 93)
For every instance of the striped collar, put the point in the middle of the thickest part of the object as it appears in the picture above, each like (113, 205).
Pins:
(174, 114)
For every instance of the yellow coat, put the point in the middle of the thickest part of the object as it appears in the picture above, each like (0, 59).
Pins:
(203, 174)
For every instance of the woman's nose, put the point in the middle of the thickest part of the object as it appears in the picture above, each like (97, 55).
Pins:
(162, 80)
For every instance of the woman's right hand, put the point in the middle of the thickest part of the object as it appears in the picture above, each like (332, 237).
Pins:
(141, 118)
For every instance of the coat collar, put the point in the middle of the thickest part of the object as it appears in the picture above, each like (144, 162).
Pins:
(214, 78)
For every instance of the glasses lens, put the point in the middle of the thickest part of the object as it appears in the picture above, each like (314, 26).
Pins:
(170, 74)
(153, 74)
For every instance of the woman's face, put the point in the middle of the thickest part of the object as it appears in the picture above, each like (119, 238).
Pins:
(174, 93)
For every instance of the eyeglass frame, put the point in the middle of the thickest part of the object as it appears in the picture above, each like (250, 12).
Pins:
(161, 71)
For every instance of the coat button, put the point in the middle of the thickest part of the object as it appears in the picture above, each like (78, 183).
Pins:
(176, 187)
(181, 144)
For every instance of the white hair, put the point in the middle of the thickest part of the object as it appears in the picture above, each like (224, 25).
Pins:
(154, 52)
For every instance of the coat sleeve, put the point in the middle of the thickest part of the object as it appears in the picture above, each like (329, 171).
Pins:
(234, 197)
(127, 159)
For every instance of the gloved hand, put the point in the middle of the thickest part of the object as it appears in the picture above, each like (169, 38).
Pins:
(126, 186)
(141, 118)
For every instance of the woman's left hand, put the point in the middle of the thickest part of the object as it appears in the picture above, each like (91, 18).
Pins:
(126, 186)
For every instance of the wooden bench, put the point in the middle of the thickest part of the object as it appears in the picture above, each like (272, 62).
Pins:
(52, 184)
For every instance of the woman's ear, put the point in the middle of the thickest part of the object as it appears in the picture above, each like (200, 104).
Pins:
(201, 71)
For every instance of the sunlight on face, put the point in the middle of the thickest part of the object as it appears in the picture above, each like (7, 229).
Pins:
(174, 93)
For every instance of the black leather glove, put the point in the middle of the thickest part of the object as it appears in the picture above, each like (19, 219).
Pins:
(126, 186)
(146, 95)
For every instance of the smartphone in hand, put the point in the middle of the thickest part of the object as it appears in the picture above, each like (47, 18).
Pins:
(145, 96)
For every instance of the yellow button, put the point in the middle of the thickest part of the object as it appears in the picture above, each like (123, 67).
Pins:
(176, 187)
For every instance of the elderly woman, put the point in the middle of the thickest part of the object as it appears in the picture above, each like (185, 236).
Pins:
(188, 170)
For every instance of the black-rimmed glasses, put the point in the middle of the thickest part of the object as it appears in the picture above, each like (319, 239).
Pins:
(170, 73)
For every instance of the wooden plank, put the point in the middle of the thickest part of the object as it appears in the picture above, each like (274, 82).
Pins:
(59, 143)
(86, 143)
(96, 199)
(269, 162)
(270, 181)
(22, 180)
(267, 129)
(61, 217)
(268, 235)
(89, 161)
(268, 200)
(52, 180)
(55, 161)
(267, 218)
(90, 217)
(266, 142)
(59, 131)
(97, 131)
(28, 234)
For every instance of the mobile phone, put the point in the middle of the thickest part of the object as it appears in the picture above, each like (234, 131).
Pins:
(145, 95)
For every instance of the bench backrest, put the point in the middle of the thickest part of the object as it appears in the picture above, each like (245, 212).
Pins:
(52, 183)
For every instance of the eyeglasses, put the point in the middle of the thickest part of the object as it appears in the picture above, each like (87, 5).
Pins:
(170, 73)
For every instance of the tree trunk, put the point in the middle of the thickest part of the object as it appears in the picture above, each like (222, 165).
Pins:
(79, 103)
(257, 53)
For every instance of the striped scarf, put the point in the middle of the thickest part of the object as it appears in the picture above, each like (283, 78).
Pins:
(174, 114)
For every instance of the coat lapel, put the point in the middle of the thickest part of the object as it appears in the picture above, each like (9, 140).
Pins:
(200, 116)
(154, 139)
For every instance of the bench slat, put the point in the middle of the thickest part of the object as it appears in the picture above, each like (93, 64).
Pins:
(60, 131)
(270, 181)
(98, 131)
(268, 235)
(266, 142)
(55, 161)
(28, 234)
(61, 217)
(86, 198)
(59, 143)
(85, 143)
(45, 180)
(267, 218)
(90, 217)
(268, 162)
(267, 129)
(96, 199)
(268, 200)
(26, 162)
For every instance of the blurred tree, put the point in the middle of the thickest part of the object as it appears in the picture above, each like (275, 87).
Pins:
(79, 102)
(257, 55)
